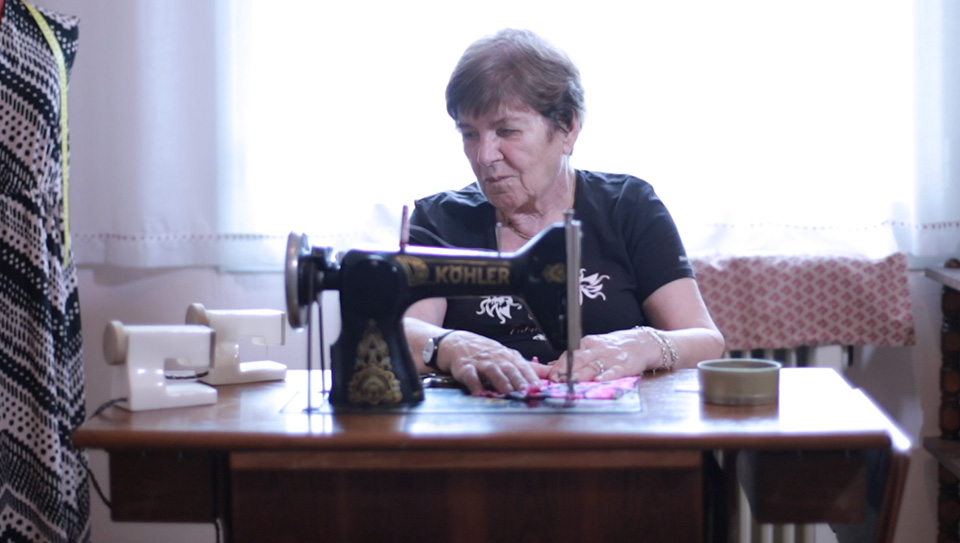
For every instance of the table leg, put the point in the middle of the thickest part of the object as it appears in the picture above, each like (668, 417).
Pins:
(948, 507)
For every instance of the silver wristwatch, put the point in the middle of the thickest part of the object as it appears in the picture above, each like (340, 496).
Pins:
(431, 350)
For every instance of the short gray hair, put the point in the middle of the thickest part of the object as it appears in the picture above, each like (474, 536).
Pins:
(516, 65)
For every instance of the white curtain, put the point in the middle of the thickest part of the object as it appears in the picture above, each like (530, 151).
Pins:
(146, 102)
(204, 132)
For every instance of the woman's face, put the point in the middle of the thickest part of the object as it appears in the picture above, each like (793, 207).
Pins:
(516, 154)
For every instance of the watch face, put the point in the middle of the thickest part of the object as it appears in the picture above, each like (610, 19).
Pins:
(428, 349)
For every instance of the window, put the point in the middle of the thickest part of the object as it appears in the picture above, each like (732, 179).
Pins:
(766, 127)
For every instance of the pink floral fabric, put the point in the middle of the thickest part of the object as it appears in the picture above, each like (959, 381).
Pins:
(785, 302)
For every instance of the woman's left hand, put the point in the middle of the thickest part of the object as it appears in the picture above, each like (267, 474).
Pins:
(677, 311)
(605, 357)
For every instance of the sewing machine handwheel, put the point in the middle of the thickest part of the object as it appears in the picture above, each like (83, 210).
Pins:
(197, 314)
(115, 343)
(297, 307)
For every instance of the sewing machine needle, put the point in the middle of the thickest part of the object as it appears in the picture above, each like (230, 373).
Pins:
(572, 232)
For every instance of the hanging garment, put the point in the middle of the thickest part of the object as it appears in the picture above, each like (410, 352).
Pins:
(44, 490)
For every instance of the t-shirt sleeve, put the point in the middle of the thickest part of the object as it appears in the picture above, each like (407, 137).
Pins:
(652, 240)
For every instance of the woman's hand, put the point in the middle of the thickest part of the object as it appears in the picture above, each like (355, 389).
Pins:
(685, 334)
(474, 360)
(605, 357)
(471, 359)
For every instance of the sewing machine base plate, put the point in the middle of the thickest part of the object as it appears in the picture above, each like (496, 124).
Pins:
(454, 400)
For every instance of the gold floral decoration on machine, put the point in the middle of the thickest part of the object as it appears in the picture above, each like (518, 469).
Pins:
(373, 381)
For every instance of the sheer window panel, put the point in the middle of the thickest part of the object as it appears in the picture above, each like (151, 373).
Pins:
(768, 128)
(144, 132)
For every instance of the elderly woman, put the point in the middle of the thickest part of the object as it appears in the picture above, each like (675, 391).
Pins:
(518, 104)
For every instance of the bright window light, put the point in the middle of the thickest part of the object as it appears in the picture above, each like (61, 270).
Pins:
(797, 115)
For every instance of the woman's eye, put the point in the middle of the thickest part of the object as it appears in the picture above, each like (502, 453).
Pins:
(468, 135)
(506, 132)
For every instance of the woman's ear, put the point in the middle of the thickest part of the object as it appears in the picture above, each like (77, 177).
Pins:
(570, 136)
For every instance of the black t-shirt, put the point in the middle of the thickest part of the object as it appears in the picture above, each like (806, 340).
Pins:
(630, 248)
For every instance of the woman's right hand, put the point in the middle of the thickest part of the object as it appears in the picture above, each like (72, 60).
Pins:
(475, 361)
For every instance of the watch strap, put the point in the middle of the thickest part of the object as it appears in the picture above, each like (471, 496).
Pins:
(432, 362)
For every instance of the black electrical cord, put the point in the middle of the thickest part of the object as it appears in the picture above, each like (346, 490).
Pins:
(218, 532)
(172, 377)
(93, 479)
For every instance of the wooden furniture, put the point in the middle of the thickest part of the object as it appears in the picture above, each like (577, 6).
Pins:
(946, 447)
(272, 473)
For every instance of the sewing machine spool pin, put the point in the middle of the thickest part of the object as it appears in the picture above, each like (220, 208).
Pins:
(371, 362)
(142, 353)
(404, 228)
(260, 326)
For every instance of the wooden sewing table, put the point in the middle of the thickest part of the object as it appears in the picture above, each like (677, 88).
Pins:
(272, 473)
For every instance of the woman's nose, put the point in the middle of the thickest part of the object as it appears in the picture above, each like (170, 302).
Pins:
(488, 151)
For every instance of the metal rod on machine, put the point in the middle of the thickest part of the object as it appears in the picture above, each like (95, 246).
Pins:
(323, 358)
(310, 358)
(572, 231)
(324, 390)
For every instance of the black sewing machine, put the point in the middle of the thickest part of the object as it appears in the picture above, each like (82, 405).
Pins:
(371, 362)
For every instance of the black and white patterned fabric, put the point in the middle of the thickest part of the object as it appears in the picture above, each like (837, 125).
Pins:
(44, 490)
